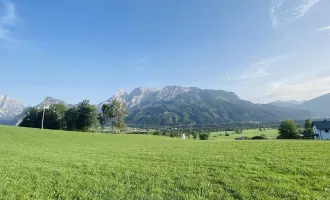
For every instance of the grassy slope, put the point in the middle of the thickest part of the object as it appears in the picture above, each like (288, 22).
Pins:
(54, 164)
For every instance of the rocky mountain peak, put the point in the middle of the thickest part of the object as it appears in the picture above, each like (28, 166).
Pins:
(120, 95)
(48, 101)
(169, 93)
(10, 107)
(143, 96)
(120, 92)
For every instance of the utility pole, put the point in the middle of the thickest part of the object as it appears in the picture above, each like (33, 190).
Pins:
(43, 115)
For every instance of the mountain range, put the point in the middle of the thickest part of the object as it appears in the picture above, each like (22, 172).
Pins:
(175, 105)
(320, 106)
(287, 103)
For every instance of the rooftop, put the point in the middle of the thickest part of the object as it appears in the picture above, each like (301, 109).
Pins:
(322, 125)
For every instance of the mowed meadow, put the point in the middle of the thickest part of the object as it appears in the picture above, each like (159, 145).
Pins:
(269, 134)
(36, 164)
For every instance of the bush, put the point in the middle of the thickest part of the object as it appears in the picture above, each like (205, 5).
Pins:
(297, 137)
(204, 136)
(258, 138)
(243, 138)
(227, 134)
(279, 137)
(195, 135)
(157, 133)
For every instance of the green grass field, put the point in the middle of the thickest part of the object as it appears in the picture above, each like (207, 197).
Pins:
(270, 134)
(37, 164)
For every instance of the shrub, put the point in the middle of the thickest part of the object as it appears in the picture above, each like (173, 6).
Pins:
(204, 136)
(157, 133)
(258, 138)
(195, 135)
(243, 138)
(297, 137)
(226, 134)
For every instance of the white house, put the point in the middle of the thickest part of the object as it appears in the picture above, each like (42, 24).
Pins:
(321, 130)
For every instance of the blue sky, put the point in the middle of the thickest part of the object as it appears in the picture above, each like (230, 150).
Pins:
(72, 50)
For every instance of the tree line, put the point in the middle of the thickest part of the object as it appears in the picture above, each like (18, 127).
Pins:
(289, 130)
(82, 117)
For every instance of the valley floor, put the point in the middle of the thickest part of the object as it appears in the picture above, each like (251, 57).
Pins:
(37, 164)
(269, 134)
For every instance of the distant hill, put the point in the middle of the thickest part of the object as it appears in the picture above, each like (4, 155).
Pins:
(174, 105)
(290, 104)
(320, 105)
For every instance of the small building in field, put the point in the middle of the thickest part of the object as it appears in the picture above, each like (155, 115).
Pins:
(183, 136)
(322, 130)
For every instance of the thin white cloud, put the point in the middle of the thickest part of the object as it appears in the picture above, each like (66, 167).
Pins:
(10, 16)
(261, 68)
(274, 12)
(303, 8)
(304, 88)
(285, 11)
(7, 21)
(297, 80)
(326, 28)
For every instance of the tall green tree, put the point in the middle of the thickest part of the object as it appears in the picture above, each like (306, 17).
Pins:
(87, 116)
(288, 130)
(70, 119)
(116, 113)
(56, 114)
(308, 127)
(195, 134)
(32, 119)
(104, 116)
(53, 117)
